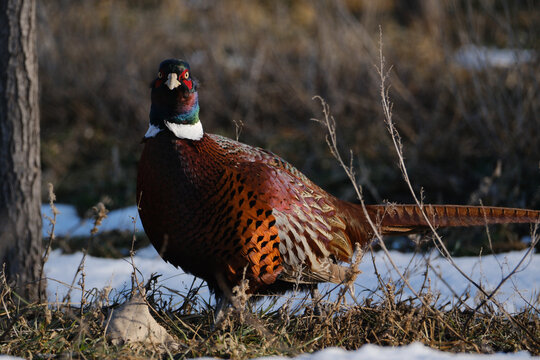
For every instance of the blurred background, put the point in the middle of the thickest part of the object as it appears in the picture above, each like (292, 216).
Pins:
(464, 83)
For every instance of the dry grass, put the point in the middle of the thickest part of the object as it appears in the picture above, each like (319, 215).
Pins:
(262, 62)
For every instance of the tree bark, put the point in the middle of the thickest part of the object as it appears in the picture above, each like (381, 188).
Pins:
(20, 172)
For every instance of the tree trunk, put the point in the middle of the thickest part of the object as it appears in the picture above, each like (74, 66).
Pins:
(20, 172)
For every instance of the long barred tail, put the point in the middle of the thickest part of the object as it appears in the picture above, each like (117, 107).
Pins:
(399, 219)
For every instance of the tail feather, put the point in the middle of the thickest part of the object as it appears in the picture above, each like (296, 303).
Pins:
(400, 219)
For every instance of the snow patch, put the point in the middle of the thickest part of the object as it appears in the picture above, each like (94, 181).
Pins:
(474, 57)
(414, 351)
(488, 271)
(68, 222)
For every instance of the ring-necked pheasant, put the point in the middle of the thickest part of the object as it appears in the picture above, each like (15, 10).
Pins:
(217, 207)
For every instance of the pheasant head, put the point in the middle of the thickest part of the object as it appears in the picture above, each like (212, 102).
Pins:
(175, 102)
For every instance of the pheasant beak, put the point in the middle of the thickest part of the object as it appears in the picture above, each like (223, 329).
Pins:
(172, 81)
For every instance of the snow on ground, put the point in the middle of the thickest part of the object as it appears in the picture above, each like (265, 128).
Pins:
(68, 222)
(114, 273)
(415, 351)
(488, 271)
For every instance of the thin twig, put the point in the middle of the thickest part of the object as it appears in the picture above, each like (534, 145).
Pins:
(396, 139)
(100, 214)
(52, 221)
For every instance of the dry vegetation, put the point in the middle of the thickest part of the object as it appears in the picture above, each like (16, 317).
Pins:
(65, 331)
(261, 63)
(468, 135)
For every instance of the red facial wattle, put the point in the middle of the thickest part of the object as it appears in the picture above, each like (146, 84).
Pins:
(184, 77)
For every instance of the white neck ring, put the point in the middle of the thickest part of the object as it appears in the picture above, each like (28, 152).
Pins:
(186, 131)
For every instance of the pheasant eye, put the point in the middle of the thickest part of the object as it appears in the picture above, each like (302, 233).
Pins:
(159, 75)
(186, 75)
